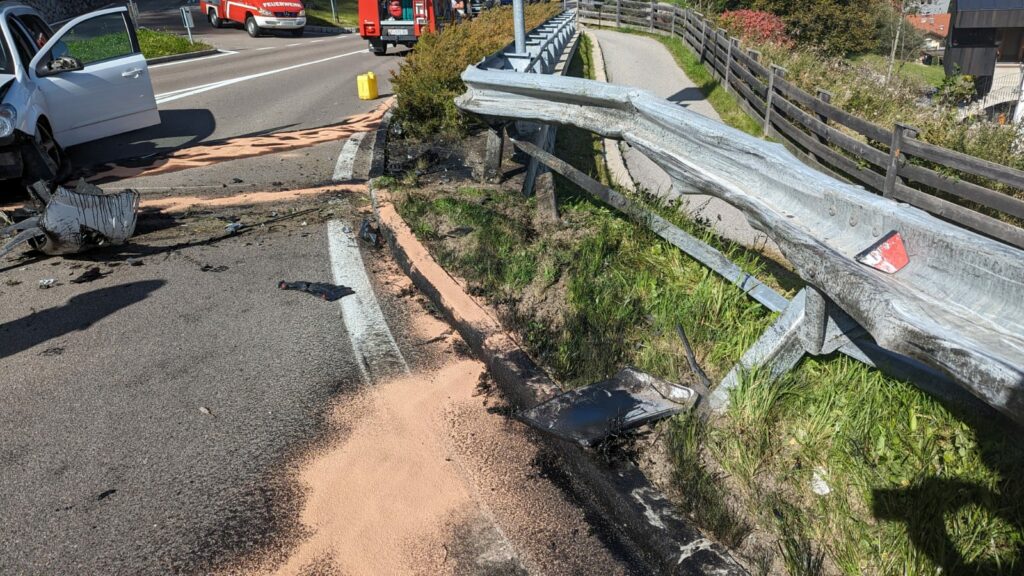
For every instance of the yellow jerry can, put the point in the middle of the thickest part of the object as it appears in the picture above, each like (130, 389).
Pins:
(367, 84)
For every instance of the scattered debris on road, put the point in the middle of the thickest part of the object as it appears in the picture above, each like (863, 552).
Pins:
(234, 227)
(623, 402)
(89, 275)
(212, 268)
(328, 292)
(46, 283)
(370, 233)
(77, 220)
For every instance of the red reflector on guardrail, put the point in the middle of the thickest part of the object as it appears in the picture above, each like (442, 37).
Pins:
(888, 254)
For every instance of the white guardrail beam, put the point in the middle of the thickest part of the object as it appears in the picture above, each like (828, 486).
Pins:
(957, 306)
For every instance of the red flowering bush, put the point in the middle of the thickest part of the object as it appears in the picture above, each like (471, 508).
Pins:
(756, 26)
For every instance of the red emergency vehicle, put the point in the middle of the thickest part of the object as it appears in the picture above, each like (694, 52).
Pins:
(400, 22)
(257, 16)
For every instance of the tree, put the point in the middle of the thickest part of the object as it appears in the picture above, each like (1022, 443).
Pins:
(836, 27)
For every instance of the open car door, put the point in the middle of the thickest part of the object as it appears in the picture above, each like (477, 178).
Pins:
(94, 78)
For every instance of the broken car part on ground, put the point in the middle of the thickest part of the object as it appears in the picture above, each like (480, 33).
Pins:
(74, 221)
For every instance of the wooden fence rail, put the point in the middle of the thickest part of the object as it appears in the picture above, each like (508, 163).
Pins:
(891, 162)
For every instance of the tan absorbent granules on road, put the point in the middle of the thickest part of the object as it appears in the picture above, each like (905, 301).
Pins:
(427, 480)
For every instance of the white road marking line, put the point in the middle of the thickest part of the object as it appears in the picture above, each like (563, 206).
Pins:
(347, 158)
(290, 45)
(186, 92)
(375, 348)
(315, 41)
(265, 48)
(187, 60)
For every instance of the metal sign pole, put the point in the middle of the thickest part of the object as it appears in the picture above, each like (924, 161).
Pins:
(334, 13)
(519, 14)
(186, 20)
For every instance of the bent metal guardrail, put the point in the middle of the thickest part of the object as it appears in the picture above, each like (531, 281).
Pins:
(956, 306)
(888, 161)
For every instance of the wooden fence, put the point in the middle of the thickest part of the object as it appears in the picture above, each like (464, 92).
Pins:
(888, 161)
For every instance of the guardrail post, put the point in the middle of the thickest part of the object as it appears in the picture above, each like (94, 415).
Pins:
(826, 97)
(493, 155)
(773, 71)
(892, 172)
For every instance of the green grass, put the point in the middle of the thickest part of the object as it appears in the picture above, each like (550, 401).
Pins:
(318, 13)
(930, 75)
(916, 488)
(156, 44)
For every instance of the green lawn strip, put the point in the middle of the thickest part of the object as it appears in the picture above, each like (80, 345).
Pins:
(318, 13)
(156, 44)
(932, 75)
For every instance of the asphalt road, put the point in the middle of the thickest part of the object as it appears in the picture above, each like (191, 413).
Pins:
(175, 417)
(256, 86)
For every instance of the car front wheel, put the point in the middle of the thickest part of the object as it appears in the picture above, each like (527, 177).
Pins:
(45, 159)
(215, 20)
(252, 27)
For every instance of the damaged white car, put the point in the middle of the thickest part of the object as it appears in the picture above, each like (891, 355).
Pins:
(87, 81)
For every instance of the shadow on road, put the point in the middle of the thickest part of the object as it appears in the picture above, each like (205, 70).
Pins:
(177, 129)
(79, 313)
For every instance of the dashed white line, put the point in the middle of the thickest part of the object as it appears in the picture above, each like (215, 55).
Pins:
(376, 351)
(315, 41)
(186, 92)
(265, 48)
(347, 158)
(295, 44)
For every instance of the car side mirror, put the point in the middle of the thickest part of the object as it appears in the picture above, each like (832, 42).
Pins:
(59, 66)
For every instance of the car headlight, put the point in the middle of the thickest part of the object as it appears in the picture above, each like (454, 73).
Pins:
(8, 120)
(302, 12)
(265, 12)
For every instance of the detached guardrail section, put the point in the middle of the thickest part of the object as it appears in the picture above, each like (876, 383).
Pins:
(888, 161)
(956, 306)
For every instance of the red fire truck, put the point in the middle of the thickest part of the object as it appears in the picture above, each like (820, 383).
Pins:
(257, 16)
(400, 22)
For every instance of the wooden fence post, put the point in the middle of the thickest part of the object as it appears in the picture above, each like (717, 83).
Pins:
(618, 14)
(892, 172)
(673, 29)
(826, 97)
(703, 35)
(773, 71)
(652, 17)
(728, 62)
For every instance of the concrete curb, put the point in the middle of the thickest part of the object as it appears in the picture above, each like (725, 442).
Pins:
(613, 153)
(178, 57)
(654, 534)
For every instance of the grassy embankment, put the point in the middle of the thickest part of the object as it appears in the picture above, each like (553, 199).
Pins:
(914, 487)
(318, 13)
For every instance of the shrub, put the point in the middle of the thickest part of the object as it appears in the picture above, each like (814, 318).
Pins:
(428, 81)
(756, 26)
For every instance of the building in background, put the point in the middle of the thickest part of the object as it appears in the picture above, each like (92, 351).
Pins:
(931, 7)
(986, 40)
(935, 28)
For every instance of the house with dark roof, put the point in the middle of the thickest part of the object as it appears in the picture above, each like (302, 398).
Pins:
(986, 40)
